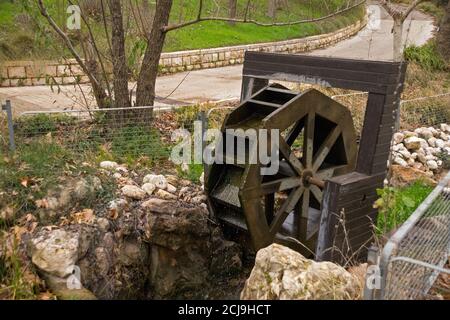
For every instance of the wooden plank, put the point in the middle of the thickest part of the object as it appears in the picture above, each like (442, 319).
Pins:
(369, 135)
(338, 63)
(325, 82)
(322, 72)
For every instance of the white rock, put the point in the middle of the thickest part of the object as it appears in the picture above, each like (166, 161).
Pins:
(284, 274)
(103, 224)
(108, 165)
(414, 143)
(398, 137)
(430, 157)
(118, 205)
(445, 127)
(405, 153)
(55, 252)
(432, 165)
(410, 162)
(434, 131)
(133, 192)
(439, 163)
(440, 143)
(422, 158)
(398, 147)
(400, 161)
(117, 175)
(122, 170)
(414, 155)
(163, 194)
(426, 134)
(202, 178)
(199, 199)
(444, 136)
(171, 188)
(148, 188)
(432, 142)
(158, 180)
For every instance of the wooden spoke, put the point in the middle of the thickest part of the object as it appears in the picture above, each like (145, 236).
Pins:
(295, 132)
(325, 148)
(308, 141)
(303, 219)
(280, 185)
(325, 174)
(318, 194)
(285, 150)
(287, 206)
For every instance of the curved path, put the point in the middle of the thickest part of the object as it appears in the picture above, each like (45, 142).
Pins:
(374, 42)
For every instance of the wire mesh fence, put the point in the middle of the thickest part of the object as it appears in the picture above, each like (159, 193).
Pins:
(425, 112)
(415, 255)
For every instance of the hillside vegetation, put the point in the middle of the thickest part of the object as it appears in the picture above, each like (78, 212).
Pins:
(25, 35)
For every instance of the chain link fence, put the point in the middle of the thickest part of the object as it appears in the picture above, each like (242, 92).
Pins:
(416, 254)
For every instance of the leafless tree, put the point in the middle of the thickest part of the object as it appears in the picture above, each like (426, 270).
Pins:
(399, 15)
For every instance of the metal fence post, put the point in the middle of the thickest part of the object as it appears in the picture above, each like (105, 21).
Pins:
(204, 120)
(7, 107)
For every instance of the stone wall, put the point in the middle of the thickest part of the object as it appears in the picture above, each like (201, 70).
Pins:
(33, 73)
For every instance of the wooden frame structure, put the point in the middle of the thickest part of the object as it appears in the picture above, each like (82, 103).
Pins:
(347, 212)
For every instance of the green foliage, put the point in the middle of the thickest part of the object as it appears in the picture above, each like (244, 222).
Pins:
(132, 142)
(39, 164)
(14, 283)
(427, 56)
(41, 124)
(395, 205)
(193, 173)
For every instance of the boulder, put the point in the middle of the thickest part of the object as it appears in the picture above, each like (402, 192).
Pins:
(148, 188)
(108, 165)
(158, 180)
(163, 194)
(414, 143)
(133, 192)
(283, 274)
(55, 252)
(398, 137)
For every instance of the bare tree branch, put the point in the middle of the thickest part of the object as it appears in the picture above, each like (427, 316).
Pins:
(67, 41)
(252, 21)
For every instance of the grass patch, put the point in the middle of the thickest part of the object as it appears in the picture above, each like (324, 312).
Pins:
(193, 173)
(132, 142)
(27, 174)
(427, 56)
(396, 205)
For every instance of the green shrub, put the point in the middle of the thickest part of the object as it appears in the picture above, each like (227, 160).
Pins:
(395, 205)
(427, 56)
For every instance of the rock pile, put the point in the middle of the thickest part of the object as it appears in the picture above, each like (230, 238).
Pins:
(424, 149)
(154, 240)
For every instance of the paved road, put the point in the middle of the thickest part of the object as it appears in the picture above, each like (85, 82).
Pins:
(374, 43)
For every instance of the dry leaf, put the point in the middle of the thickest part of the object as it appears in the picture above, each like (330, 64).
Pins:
(113, 214)
(43, 203)
(24, 182)
(86, 216)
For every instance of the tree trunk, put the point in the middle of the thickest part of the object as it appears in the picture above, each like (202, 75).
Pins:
(233, 10)
(443, 38)
(120, 70)
(398, 39)
(98, 88)
(145, 91)
(272, 8)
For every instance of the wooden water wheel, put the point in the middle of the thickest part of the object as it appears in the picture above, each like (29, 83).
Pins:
(317, 141)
